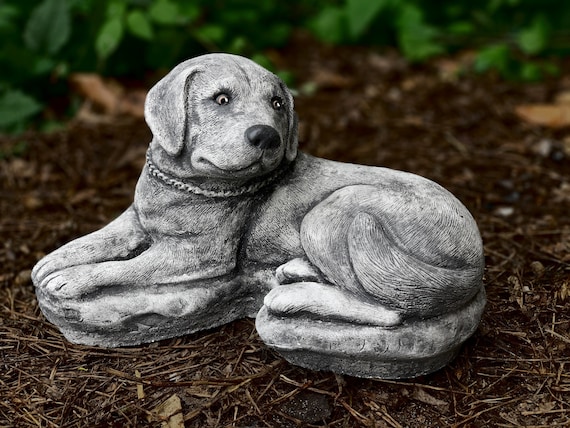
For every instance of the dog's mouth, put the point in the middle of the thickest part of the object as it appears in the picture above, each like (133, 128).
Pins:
(250, 169)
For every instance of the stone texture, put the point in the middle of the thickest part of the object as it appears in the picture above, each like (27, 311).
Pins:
(410, 349)
(360, 270)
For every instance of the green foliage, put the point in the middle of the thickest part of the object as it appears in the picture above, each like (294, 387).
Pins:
(417, 39)
(534, 38)
(360, 14)
(510, 36)
(109, 37)
(124, 37)
(15, 108)
(49, 27)
(45, 40)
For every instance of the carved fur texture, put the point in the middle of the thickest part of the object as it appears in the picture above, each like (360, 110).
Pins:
(228, 217)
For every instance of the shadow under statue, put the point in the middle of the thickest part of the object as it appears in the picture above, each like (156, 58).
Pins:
(360, 270)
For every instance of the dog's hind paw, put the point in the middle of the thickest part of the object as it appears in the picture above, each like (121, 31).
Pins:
(324, 302)
(297, 270)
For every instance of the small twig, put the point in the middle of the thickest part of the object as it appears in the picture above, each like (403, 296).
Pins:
(558, 335)
(196, 412)
(355, 414)
(481, 412)
(544, 412)
(420, 385)
(308, 388)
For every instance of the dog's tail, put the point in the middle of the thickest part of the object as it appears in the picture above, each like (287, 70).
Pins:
(436, 271)
(401, 280)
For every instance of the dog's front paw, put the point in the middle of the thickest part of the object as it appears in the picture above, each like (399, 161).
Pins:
(57, 285)
(297, 270)
(70, 283)
(45, 267)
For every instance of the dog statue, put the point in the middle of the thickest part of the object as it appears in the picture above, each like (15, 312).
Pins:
(360, 270)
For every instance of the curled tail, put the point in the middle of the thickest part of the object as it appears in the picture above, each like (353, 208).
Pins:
(405, 254)
(400, 280)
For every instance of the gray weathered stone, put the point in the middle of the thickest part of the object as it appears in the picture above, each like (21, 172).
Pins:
(360, 270)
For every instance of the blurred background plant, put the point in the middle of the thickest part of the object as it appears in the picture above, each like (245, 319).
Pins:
(43, 42)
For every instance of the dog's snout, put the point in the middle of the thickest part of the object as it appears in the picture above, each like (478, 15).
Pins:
(263, 137)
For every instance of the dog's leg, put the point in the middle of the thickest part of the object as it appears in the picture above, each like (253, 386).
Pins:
(384, 254)
(297, 270)
(164, 264)
(327, 303)
(121, 239)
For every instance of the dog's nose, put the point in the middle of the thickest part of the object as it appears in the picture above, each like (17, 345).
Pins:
(263, 137)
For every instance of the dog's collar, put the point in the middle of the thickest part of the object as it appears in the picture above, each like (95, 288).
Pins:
(154, 171)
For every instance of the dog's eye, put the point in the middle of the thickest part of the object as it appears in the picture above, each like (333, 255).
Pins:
(277, 103)
(222, 99)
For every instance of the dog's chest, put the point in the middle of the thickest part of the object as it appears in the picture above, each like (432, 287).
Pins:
(167, 211)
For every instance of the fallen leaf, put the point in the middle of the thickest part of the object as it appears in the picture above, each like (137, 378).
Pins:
(551, 115)
(24, 277)
(132, 103)
(140, 387)
(170, 413)
(329, 79)
(92, 87)
(563, 98)
(421, 395)
(108, 96)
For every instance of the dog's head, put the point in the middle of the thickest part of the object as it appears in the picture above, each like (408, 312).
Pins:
(222, 116)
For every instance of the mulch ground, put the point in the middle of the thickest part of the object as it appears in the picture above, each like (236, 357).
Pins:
(355, 105)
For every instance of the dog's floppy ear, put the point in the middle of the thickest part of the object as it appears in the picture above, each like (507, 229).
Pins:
(292, 140)
(293, 127)
(167, 108)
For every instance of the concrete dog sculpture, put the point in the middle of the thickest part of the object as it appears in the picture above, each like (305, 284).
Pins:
(361, 270)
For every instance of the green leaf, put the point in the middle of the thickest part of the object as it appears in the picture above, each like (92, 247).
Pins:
(534, 71)
(418, 43)
(139, 25)
(42, 65)
(263, 60)
(116, 9)
(330, 25)
(550, 69)
(533, 39)
(16, 106)
(531, 72)
(7, 15)
(494, 5)
(211, 34)
(360, 13)
(278, 36)
(82, 6)
(409, 16)
(109, 37)
(416, 38)
(287, 76)
(461, 28)
(189, 11)
(48, 27)
(238, 45)
(494, 57)
(165, 12)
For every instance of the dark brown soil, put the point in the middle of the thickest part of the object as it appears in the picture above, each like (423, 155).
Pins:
(368, 108)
